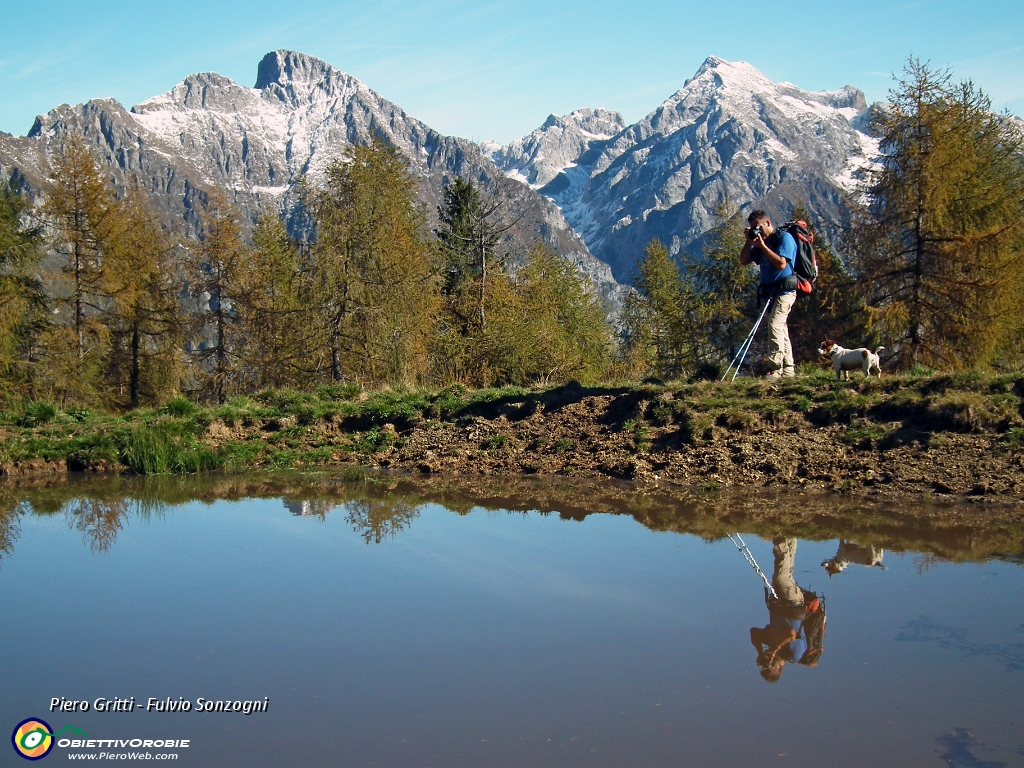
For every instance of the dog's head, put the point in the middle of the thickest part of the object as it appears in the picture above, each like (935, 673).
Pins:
(833, 567)
(827, 348)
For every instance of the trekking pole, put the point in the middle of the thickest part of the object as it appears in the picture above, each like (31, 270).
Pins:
(749, 557)
(736, 357)
(745, 346)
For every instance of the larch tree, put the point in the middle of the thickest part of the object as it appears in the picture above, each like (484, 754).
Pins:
(656, 335)
(83, 220)
(375, 278)
(280, 325)
(142, 312)
(563, 323)
(834, 309)
(23, 302)
(218, 274)
(938, 248)
(723, 293)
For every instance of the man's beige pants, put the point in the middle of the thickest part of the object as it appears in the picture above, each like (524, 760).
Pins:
(782, 577)
(780, 350)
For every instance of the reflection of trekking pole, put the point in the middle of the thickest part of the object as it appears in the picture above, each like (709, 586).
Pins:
(741, 545)
(741, 354)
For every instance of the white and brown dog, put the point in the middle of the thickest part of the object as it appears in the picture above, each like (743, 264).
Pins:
(846, 360)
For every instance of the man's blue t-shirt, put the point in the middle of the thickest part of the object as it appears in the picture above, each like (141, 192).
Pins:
(787, 250)
(781, 624)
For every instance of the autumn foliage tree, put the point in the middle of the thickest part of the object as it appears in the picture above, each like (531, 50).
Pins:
(372, 267)
(938, 248)
(23, 303)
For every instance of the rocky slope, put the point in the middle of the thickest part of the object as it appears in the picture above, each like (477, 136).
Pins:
(257, 143)
(729, 134)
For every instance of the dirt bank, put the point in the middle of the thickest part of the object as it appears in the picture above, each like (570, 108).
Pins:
(925, 438)
(659, 437)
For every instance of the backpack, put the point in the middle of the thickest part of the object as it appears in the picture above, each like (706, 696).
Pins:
(806, 264)
(814, 628)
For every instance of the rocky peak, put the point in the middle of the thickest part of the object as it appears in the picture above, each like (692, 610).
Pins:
(599, 123)
(558, 144)
(298, 78)
(729, 134)
(206, 90)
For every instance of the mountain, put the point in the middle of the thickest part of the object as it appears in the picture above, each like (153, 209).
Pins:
(257, 143)
(729, 134)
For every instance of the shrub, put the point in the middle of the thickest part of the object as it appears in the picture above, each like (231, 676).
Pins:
(78, 414)
(179, 406)
(39, 412)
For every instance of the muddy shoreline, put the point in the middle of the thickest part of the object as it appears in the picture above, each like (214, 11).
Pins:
(934, 441)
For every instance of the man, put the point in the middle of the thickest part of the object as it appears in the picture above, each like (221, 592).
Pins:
(796, 619)
(774, 252)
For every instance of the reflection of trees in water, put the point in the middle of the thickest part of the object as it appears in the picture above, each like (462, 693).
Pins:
(98, 520)
(924, 562)
(379, 519)
(380, 506)
(9, 528)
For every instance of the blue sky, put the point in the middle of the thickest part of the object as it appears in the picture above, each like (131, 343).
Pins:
(495, 70)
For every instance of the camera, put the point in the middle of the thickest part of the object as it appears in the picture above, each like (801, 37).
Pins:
(755, 232)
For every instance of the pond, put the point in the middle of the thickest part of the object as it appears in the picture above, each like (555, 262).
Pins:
(387, 622)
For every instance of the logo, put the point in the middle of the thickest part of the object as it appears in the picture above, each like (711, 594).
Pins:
(33, 739)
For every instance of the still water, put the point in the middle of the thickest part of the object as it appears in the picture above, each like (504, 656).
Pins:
(394, 624)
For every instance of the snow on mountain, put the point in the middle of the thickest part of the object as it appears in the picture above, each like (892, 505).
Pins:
(729, 134)
(539, 157)
(257, 143)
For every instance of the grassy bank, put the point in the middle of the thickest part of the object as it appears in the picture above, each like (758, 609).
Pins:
(741, 433)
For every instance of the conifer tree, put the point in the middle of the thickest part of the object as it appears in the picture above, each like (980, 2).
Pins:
(563, 324)
(142, 312)
(219, 278)
(83, 218)
(23, 314)
(657, 337)
(468, 241)
(939, 246)
(280, 327)
(373, 270)
(724, 291)
(834, 309)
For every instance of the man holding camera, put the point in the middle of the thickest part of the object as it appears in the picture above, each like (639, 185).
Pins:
(774, 252)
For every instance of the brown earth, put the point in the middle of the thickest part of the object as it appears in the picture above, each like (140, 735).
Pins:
(881, 440)
(584, 436)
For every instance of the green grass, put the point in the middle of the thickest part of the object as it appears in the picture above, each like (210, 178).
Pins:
(277, 428)
(865, 434)
(495, 442)
(163, 448)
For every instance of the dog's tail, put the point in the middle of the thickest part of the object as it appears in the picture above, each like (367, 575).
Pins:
(879, 349)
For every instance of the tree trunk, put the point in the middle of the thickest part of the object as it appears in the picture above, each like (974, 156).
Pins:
(134, 376)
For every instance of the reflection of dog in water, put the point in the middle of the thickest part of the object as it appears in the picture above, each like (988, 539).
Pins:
(853, 554)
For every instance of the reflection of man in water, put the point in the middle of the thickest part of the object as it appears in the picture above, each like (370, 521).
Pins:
(795, 620)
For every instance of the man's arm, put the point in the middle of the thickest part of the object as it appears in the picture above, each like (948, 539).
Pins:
(776, 261)
(745, 254)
